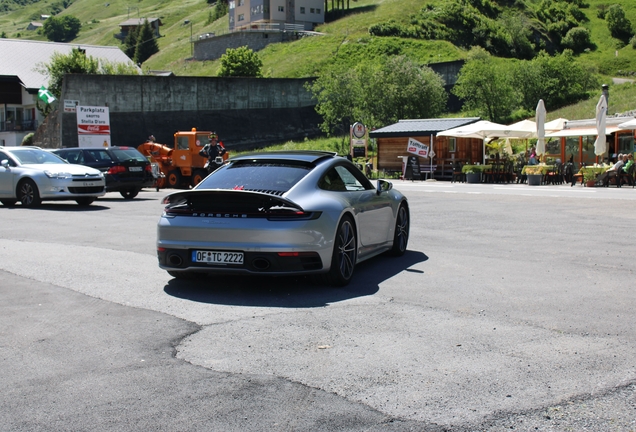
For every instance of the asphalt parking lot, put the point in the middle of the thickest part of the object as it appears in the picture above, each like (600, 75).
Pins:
(512, 309)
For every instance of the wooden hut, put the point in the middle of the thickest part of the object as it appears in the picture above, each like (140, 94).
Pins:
(392, 142)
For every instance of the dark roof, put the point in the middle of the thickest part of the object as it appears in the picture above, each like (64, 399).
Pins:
(136, 22)
(419, 127)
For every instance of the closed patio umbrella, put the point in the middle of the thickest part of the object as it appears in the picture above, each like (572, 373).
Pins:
(600, 145)
(540, 119)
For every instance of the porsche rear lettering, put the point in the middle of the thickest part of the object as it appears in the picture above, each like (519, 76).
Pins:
(219, 215)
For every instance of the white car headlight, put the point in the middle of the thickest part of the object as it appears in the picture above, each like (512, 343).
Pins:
(57, 175)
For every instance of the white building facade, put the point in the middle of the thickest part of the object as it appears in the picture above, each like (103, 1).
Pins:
(253, 14)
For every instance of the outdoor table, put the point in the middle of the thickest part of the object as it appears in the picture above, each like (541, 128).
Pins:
(597, 170)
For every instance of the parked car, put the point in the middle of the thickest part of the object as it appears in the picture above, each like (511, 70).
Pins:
(31, 175)
(127, 171)
(282, 213)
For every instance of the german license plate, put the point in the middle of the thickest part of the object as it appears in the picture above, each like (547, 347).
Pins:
(217, 257)
(134, 168)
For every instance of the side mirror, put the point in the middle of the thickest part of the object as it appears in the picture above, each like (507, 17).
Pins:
(5, 163)
(383, 186)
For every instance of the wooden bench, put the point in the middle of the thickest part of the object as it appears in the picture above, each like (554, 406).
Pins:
(426, 170)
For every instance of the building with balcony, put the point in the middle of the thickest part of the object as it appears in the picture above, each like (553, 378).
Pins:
(245, 14)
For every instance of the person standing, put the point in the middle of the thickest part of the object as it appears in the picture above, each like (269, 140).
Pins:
(214, 151)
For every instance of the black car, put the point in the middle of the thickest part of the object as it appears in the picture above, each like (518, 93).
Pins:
(127, 171)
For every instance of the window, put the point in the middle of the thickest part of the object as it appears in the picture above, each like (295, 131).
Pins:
(232, 4)
(452, 145)
(258, 175)
(183, 143)
(241, 17)
(302, 10)
(312, 10)
(281, 8)
(340, 179)
(317, 11)
(241, 2)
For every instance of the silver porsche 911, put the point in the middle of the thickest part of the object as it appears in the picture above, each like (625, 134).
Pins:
(282, 213)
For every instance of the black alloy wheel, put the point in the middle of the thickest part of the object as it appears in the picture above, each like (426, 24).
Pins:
(345, 252)
(401, 235)
(28, 193)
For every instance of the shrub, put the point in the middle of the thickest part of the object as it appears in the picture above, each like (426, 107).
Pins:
(28, 139)
(577, 39)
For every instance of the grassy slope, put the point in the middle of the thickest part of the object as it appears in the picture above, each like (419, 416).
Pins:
(347, 36)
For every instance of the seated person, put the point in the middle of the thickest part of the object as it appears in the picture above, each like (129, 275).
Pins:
(612, 172)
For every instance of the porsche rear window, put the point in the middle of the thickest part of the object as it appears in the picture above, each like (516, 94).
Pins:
(257, 176)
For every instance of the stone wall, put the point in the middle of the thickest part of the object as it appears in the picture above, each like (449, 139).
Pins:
(245, 112)
(214, 47)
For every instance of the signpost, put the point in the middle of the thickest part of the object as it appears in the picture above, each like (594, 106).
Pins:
(93, 126)
(358, 137)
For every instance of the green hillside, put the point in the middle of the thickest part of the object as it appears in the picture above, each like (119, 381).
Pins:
(347, 37)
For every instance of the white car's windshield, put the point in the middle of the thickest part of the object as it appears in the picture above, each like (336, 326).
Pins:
(36, 156)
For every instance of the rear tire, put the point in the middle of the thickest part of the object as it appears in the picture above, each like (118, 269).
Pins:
(345, 253)
(85, 201)
(28, 193)
(129, 193)
(401, 235)
(197, 176)
(174, 179)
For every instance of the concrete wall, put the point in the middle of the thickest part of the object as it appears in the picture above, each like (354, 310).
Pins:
(214, 47)
(245, 112)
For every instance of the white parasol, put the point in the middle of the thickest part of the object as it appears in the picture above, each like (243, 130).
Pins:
(540, 119)
(555, 125)
(600, 145)
(631, 124)
(484, 129)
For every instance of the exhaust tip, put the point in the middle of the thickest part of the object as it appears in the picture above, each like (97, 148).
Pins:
(175, 260)
(261, 264)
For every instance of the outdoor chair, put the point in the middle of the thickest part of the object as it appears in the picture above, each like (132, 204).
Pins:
(568, 172)
(556, 175)
(458, 175)
(578, 177)
(628, 176)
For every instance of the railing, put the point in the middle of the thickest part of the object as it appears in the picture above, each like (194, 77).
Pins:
(257, 27)
(26, 125)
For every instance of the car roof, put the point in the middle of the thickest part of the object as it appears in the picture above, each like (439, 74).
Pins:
(20, 148)
(96, 148)
(308, 156)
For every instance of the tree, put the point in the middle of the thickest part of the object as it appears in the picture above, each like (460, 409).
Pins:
(240, 62)
(61, 29)
(485, 84)
(401, 90)
(337, 93)
(130, 42)
(377, 93)
(146, 44)
(618, 24)
(577, 39)
(78, 62)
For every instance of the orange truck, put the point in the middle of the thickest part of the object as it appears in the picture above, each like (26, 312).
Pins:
(180, 164)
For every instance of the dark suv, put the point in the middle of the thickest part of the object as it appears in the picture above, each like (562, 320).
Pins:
(126, 170)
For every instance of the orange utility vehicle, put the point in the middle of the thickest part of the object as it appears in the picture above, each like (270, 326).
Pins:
(180, 162)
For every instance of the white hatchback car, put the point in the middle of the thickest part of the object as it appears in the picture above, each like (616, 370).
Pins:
(31, 175)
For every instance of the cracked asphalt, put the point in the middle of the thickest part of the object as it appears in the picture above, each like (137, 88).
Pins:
(512, 309)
